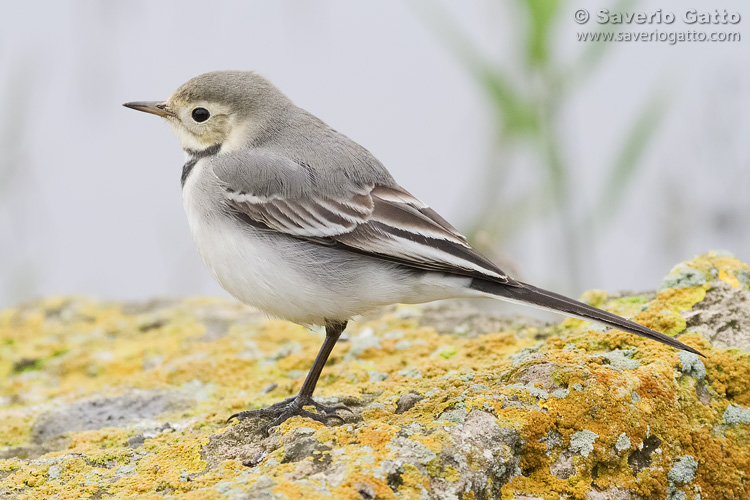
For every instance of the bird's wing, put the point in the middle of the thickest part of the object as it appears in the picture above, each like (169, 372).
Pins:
(383, 221)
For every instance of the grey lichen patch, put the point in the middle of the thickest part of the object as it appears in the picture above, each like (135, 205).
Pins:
(411, 451)
(692, 366)
(621, 360)
(683, 276)
(286, 350)
(597, 327)
(743, 276)
(722, 253)
(634, 397)
(623, 442)
(583, 442)
(377, 376)
(674, 494)
(560, 393)
(735, 414)
(54, 472)
(410, 373)
(478, 388)
(526, 354)
(457, 415)
(361, 342)
(683, 470)
(534, 391)
(393, 335)
(402, 345)
(553, 439)
(577, 387)
(538, 393)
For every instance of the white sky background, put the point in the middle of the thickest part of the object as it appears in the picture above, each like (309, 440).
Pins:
(90, 194)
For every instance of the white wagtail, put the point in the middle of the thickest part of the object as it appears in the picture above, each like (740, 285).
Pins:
(298, 220)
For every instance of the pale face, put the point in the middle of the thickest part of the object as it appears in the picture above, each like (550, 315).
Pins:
(220, 107)
(200, 124)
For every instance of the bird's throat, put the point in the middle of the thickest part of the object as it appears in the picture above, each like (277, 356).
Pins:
(192, 158)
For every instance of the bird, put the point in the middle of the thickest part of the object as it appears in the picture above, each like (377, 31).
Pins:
(298, 220)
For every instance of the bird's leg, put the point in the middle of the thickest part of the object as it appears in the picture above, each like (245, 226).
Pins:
(295, 405)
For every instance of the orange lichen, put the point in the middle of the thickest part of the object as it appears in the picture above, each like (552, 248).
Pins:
(61, 350)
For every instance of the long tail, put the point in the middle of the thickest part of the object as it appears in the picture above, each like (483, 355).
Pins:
(531, 295)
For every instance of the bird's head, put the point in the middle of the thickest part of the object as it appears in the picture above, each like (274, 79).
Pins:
(220, 107)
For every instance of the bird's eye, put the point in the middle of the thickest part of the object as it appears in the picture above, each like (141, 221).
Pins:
(201, 114)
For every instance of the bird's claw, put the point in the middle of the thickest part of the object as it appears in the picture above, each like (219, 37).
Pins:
(294, 407)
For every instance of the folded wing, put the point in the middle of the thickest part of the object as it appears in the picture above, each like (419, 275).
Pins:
(378, 220)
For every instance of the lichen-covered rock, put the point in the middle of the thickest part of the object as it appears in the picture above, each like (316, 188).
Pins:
(106, 400)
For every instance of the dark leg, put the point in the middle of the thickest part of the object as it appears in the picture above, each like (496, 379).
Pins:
(294, 406)
(333, 332)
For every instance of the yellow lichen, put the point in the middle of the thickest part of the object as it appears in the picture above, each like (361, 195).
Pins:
(8, 465)
(16, 427)
(63, 349)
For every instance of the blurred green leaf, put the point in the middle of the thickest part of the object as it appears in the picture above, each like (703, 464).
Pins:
(554, 166)
(526, 105)
(593, 52)
(513, 114)
(542, 14)
(512, 110)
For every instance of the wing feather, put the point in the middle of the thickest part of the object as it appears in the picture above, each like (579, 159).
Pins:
(382, 221)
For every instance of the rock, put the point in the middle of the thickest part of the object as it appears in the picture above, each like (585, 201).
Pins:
(612, 493)
(539, 376)
(460, 318)
(96, 413)
(104, 400)
(641, 458)
(407, 402)
(723, 317)
(563, 468)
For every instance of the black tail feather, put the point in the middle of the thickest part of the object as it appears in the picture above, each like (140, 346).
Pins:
(532, 295)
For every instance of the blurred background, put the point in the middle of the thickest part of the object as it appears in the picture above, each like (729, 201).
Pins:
(576, 164)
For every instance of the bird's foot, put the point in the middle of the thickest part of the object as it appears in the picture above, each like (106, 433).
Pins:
(294, 407)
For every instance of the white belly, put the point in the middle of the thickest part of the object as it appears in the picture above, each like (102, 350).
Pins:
(297, 280)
